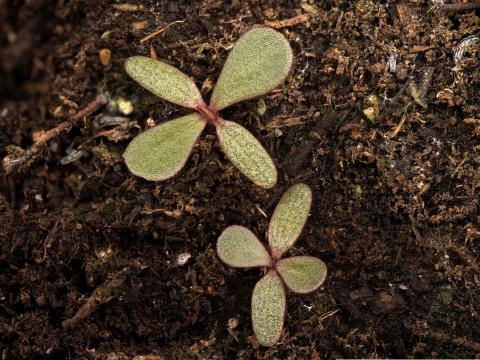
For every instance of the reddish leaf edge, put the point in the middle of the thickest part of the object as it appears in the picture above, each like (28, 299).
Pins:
(236, 266)
(302, 292)
(285, 75)
(270, 273)
(218, 128)
(278, 253)
(192, 107)
(182, 164)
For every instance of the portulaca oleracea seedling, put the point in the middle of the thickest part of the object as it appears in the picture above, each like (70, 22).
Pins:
(259, 62)
(239, 247)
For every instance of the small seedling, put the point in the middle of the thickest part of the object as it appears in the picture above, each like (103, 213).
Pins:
(259, 62)
(239, 247)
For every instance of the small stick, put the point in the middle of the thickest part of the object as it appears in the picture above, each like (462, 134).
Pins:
(440, 336)
(398, 127)
(159, 31)
(287, 22)
(101, 295)
(42, 137)
(460, 6)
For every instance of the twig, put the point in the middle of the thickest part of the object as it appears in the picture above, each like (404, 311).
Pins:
(42, 137)
(159, 31)
(287, 22)
(460, 6)
(471, 345)
(398, 127)
(101, 295)
(442, 337)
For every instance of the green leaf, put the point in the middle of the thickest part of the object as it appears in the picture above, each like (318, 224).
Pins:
(289, 218)
(259, 62)
(164, 80)
(247, 154)
(239, 247)
(161, 152)
(268, 309)
(302, 274)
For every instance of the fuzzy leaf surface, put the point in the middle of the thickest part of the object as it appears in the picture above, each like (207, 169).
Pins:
(164, 80)
(161, 152)
(239, 247)
(302, 274)
(259, 62)
(289, 218)
(247, 154)
(268, 309)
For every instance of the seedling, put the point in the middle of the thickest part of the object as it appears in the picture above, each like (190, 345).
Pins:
(239, 247)
(259, 62)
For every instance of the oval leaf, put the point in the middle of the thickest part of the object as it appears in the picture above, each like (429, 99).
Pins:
(161, 152)
(289, 218)
(239, 247)
(259, 62)
(247, 154)
(268, 309)
(164, 80)
(302, 274)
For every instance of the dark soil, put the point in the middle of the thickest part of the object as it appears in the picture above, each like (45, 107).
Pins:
(88, 261)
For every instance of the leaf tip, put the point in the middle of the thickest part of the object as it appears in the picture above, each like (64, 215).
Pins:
(289, 218)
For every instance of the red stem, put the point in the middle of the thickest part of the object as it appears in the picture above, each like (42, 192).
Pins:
(210, 115)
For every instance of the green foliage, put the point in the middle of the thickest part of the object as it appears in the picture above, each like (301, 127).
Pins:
(301, 274)
(164, 80)
(259, 61)
(247, 154)
(268, 308)
(239, 247)
(289, 218)
(160, 152)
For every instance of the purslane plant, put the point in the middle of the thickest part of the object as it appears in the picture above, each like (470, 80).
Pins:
(239, 247)
(259, 62)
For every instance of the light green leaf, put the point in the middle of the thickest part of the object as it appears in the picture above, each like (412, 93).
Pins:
(164, 80)
(247, 154)
(161, 152)
(289, 218)
(268, 309)
(259, 62)
(239, 247)
(302, 274)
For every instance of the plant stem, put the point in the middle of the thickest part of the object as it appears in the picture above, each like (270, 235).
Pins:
(211, 116)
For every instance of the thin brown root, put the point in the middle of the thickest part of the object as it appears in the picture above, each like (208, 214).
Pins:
(159, 31)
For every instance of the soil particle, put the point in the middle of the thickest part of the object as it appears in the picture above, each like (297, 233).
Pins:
(395, 213)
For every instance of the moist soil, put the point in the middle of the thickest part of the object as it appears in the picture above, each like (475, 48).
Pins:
(91, 256)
